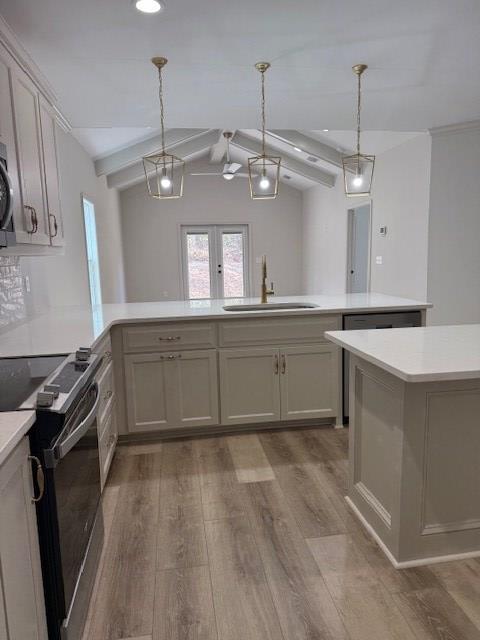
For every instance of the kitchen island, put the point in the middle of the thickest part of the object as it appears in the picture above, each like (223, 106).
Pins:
(415, 439)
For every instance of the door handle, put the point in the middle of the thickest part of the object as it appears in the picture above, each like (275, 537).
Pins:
(40, 478)
(55, 225)
(275, 366)
(284, 363)
(33, 218)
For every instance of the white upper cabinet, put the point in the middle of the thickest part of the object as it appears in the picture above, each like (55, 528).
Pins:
(29, 130)
(30, 156)
(7, 137)
(50, 162)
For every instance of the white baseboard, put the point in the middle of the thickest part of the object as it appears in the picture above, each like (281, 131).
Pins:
(421, 562)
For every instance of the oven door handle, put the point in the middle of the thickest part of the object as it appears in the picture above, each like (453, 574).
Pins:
(77, 434)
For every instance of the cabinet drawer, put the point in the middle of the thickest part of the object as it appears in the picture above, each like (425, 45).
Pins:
(165, 337)
(277, 330)
(106, 444)
(106, 390)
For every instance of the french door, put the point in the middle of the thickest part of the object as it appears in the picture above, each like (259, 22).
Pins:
(215, 261)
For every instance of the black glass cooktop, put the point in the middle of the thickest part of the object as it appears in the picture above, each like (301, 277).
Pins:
(19, 377)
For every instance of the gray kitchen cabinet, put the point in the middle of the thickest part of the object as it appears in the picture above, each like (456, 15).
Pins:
(249, 387)
(275, 384)
(169, 390)
(21, 590)
(309, 377)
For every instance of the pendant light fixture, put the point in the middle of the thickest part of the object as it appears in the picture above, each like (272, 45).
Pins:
(263, 170)
(164, 172)
(358, 169)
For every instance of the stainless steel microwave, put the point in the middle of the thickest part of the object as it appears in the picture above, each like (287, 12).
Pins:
(7, 230)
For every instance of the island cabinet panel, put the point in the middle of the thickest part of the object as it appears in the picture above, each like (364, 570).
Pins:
(169, 336)
(309, 381)
(249, 387)
(251, 332)
(171, 390)
(21, 588)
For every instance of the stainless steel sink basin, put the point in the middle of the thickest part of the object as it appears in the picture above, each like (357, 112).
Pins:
(270, 306)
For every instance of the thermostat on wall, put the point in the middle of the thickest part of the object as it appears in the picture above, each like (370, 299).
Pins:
(383, 231)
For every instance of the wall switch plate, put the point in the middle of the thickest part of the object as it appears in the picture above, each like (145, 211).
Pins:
(258, 260)
(379, 260)
(383, 231)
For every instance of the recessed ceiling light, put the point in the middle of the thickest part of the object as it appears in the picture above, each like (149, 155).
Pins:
(298, 149)
(148, 6)
(326, 130)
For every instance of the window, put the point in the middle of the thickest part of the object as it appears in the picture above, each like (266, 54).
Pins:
(92, 251)
(215, 261)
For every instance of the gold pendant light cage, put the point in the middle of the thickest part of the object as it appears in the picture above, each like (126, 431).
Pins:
(358, 168)
(164, 172)
(263, 170)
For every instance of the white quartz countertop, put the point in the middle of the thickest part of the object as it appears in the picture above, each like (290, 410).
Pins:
(418, 354)
(64, 329)
(13, 426)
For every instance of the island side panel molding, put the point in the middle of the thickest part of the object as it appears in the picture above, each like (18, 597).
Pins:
(376, 407)
(440, 489)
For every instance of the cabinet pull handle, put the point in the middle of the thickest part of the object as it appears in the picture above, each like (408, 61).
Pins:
(108, 395)
(108, 355)
(284, 363)
(40, 477)
(172, 357)
(276, 365)
(33, 218)
(55, 225)
(170, 338)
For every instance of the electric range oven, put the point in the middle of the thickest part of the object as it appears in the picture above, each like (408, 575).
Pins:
(63, 392)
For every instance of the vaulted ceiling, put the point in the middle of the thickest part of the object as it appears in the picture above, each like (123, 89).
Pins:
(422, 56)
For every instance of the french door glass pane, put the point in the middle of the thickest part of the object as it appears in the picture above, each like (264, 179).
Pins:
(198, 263)
(233, 265)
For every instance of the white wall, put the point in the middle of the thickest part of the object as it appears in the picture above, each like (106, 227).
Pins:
(63, 279)
(400, 200)
(454, 231)
(151, 233)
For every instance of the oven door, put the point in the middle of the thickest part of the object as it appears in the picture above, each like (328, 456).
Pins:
(74, 462)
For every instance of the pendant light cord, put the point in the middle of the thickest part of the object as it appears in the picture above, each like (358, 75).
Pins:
(263, 113)
(359, 104)
(162, 116)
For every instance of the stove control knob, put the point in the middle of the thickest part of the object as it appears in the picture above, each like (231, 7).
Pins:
(52, 388)
(83, 354)
(45, 399)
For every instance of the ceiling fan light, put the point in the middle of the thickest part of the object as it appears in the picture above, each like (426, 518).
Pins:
(148, 6)
(228, 176)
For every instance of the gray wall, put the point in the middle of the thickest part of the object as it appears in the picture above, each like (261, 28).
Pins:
(400, 200)
(454, 227)
(151, 232)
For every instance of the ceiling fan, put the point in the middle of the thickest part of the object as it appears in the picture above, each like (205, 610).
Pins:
(230, 169)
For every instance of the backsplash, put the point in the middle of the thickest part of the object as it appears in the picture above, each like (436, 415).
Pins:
(12, 295)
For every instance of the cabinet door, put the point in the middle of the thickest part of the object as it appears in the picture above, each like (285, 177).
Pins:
(249, 386)
(150, 391)
(29, 146)
(7, 137)
(309, 381)
(19, 552)
(197, 388)
(50, 165)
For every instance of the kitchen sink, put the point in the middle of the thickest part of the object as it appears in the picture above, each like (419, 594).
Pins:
(270, 306)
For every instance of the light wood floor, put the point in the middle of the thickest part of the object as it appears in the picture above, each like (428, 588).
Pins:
(248, 537)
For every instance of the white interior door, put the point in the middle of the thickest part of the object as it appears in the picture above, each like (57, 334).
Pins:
(215, 261)
(359, 233)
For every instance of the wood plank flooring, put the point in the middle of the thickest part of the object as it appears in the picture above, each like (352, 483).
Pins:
(248, 537)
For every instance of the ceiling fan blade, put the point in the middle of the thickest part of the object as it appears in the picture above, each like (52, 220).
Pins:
(242, 175)
(206, 174)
